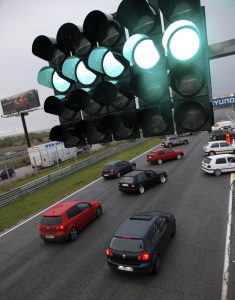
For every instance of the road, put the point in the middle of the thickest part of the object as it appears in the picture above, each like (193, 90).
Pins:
(192, 267)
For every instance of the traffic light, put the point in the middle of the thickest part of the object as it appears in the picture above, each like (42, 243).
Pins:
(185, 42)
(145, 53)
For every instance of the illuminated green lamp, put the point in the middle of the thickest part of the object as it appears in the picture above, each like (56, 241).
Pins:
(103, 61)
(182, 40)
(74, 68)
(48, 77)
(140, 50)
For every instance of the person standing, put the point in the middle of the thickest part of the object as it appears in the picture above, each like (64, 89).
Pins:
(228, 137)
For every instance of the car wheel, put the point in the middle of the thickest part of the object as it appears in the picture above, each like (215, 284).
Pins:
(217, 172)
(98, 212)
(157, 264)
(141, 190)
(169, 145)
(133, 167)
(213, 138)
(185, 142)
(159, 161)
(163, 179)
(179, 156)
(73, 234)
(118, 174)
(211, 153)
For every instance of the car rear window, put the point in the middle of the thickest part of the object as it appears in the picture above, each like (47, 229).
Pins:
(207, 160)
(51, 220)
(127, 179)
(126, 244)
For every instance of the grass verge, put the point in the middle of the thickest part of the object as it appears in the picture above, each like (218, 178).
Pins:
(22, 208)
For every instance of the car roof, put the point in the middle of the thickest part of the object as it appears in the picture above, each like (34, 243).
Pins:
(112, 162)
(221, 156)
(134, 173)
(60, 208)
(219, 141)
(138, 225)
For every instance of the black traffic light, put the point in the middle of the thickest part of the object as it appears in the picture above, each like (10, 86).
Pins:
(185, 41)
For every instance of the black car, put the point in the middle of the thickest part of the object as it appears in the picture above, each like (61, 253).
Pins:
(139, 243)
(3, 173)
(220, 134)
(117, 168)
(140, 180)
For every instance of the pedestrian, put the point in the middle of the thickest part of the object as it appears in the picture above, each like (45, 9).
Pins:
(228, 137)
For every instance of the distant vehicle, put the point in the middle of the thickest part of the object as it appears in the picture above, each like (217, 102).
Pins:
(221, 134)
(50, 154)
(3, 173)
(173, 140)
(223, 124)
(139, 243)
(218, 164)
(158, 156)
(117, 168)
(64, 221)
(218, 147)
(141, 180)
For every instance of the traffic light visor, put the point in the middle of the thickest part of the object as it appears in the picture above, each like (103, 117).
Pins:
(182, 40)
(139, 49)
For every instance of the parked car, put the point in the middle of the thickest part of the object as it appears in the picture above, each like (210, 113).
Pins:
(3, 173)
(172, 140)
(223, 125)
(218, 164)
(221, 134)
(140, 180)
(140, 242)
(218, 147)
(160, 155)
(117, 168)
(64, 221)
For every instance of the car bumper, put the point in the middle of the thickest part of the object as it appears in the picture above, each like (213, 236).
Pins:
(128, 190)
(143, 268)
(209, 171)
(109, 175)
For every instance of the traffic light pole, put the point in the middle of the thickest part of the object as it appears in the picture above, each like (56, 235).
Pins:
(221, 49)
(25, 129)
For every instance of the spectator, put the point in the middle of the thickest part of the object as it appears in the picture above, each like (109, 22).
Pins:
(228, 137)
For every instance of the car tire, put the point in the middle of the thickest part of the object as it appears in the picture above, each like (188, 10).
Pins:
(141, 189)
(185, 142)
(162, 178)
(211, 153)
(133, 167)
(217, 172)
(213, 138)
(73, 234)
(179, 156)
(118, 174)
(159, 161)
(157, 265)
(169, 145)
(98, 212)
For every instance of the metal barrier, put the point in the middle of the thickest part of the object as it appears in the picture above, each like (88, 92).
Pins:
(37, 184)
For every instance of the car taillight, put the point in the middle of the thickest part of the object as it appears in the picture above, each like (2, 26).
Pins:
(145, 256)
(60, 227)
(132, 186)
(109, 252)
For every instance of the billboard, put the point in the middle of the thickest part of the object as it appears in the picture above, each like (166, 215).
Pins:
(20, 102)
(223, 102)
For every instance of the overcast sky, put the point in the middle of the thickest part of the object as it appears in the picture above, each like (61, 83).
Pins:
(21, 21)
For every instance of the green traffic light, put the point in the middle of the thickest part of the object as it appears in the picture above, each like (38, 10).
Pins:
(182, 40)
(139, 49)
(60, 84)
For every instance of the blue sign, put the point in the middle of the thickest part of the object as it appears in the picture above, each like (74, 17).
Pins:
(224, 101)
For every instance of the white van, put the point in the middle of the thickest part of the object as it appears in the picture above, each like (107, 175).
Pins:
(222, 124)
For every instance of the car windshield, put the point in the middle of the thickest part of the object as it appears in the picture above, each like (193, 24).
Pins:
(126, 244)
(51, 220)
(127, 179)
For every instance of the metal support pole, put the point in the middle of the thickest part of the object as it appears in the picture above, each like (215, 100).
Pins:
(25, 129)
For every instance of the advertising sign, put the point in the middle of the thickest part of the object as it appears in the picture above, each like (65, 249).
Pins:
(20, 102)
(223, 102)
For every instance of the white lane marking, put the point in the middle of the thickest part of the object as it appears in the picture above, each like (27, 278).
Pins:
(224, 291)
(39, 213)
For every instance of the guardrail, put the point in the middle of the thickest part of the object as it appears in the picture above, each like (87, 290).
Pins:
(37, 184)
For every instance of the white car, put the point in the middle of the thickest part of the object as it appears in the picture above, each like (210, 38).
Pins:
(218, 147)
(222, 124)
(218, 164)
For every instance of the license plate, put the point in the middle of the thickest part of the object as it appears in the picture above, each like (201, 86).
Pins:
(106, 175)
(49, 236)
(125, 184)
(127, 269)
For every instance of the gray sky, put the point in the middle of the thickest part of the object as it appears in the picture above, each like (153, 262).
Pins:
(21, 21)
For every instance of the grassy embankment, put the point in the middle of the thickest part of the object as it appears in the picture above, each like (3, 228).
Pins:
(20, 209)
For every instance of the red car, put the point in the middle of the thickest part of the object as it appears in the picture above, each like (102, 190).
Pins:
(63, 221)
(160, 155)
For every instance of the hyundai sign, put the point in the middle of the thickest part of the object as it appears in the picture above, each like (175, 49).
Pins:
(224, 101)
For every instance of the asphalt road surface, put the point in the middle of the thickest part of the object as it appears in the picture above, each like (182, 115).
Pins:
(191, 269)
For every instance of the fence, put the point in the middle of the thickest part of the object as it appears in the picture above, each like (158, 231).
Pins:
(35, 185)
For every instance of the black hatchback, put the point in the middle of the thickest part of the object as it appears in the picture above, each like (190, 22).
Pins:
(139, 243)
(140, 180)
(117, 168)
(4, 174)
